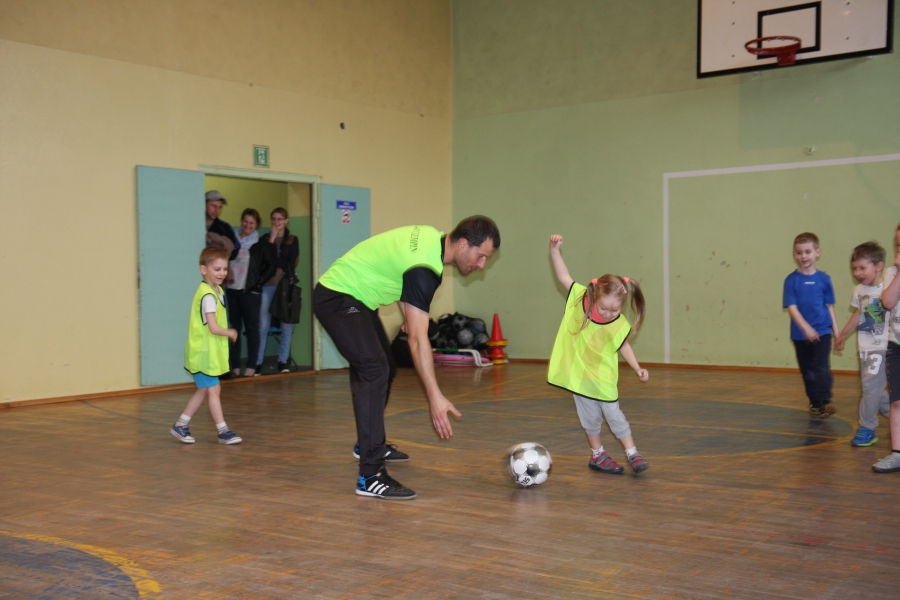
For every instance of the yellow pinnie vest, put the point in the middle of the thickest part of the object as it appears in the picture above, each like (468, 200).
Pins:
(372, 271)
(204, 352)
(586, 361)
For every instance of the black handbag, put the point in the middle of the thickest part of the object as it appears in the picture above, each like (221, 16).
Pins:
(286, 304)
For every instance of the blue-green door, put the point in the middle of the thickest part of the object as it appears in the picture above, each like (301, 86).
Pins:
(171, 234)
(345, 221)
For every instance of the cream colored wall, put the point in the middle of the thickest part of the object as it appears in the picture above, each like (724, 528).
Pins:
(74, 126)
(391, 54)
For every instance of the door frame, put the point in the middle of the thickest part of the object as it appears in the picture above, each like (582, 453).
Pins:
(315, 211)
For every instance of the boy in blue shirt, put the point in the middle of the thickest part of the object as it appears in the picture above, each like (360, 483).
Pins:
(809, 299)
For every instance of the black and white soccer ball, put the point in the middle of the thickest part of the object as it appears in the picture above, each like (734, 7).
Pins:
(529, 464)
(465, 337)
(480, 341)
(477, 325)
(459, 321)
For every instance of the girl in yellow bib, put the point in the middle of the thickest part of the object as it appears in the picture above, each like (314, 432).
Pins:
(585, 356)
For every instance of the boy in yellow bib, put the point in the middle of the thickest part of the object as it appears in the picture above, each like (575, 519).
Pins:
(206, 350)
(585, 357)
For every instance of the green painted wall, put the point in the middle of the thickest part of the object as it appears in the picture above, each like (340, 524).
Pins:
(301, 342)
(544, 156)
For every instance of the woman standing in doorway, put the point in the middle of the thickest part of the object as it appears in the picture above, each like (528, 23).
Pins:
(287, 251)
(254, 264)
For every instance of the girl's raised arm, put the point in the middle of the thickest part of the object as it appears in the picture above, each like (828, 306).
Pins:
(559, 265)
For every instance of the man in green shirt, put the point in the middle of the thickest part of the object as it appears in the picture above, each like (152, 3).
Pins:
(406, 265)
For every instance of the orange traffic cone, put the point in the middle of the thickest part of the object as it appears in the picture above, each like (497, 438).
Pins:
(497, 343)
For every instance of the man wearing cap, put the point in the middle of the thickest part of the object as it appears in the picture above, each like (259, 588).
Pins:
(218, 232)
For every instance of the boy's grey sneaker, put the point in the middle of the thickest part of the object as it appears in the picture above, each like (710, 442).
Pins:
(229, 437)
(382, 485)
(638, 463)
(391, 455)
(182, 433)
(888, 464)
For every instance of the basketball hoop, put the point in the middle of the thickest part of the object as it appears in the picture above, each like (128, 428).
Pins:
(786, 53)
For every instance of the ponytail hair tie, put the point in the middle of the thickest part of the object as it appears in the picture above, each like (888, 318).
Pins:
(625, 279)
(595, 280)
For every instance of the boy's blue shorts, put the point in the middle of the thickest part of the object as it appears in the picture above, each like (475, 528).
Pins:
(205, 381)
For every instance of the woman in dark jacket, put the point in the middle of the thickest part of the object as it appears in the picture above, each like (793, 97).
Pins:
(287, 250)
(254, 264)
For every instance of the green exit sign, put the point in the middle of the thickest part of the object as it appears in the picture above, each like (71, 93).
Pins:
(260, 156)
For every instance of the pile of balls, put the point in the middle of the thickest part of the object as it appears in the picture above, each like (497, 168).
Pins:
(458, 331)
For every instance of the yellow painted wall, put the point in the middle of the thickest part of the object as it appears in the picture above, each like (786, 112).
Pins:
(391, 54)
(75, 125)
(242, 193)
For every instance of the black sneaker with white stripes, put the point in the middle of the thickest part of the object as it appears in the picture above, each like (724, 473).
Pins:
(382, 485)
(392, 454)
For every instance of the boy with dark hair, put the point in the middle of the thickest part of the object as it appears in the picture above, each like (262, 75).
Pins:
(404, 265)
(809, 299)
(871, 321)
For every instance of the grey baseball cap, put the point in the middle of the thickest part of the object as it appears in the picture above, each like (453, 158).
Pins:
(215, 195)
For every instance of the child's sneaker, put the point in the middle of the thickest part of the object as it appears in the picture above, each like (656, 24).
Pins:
(382, 485)
(815, 410)
(229, 437)
(182, 433)
(888, 464)
(638, 463)
(864, 437)
(828, 410)
(605, 464)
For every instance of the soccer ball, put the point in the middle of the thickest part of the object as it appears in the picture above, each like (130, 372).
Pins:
(465, 337)
(529, 464)
(459, 321)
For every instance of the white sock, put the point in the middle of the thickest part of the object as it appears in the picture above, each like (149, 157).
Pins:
(221, 426)
(631, 451)
(597, 451)
(183, 420)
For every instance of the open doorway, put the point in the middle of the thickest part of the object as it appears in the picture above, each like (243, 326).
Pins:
(265, 196)
(332, 218)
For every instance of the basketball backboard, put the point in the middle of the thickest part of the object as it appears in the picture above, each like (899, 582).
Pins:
(829, 30)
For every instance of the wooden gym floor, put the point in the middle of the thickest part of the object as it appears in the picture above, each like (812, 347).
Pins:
(747, 496)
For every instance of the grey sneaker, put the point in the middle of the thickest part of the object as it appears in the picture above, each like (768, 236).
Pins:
(638, 463)
(605, 464)
(888, 464)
